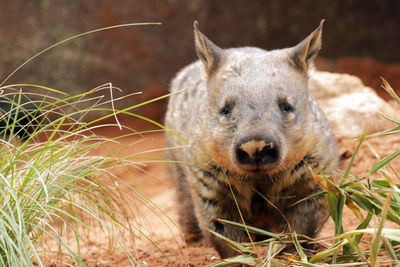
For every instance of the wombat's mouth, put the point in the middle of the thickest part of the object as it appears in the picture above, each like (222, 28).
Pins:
(260, 169)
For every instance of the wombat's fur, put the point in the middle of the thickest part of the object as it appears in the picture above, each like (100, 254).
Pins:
(253, 132)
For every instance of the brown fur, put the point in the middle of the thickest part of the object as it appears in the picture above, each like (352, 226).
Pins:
(238, 104)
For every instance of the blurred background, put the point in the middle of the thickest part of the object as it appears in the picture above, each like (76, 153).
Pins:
(361, 37)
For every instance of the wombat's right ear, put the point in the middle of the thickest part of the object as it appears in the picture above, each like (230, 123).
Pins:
(209, 53)
(304, 53)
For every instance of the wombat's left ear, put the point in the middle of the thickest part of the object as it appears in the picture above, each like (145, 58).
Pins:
(304, 53)
(209, 53)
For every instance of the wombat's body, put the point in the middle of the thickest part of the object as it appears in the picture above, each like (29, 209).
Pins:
(253, 132)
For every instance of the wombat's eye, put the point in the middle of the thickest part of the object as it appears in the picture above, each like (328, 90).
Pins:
(286, 107)
(226, 110)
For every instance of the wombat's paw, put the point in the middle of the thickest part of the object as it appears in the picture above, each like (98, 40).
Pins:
(193, 237)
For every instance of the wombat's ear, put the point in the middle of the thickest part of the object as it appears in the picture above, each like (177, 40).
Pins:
(304, 53)
(209, 53)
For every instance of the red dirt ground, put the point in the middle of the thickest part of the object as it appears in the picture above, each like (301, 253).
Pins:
(151, 180)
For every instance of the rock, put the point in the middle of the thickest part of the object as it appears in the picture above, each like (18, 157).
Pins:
(349, 105)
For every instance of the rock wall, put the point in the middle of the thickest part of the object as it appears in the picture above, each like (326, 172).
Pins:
(145, 58)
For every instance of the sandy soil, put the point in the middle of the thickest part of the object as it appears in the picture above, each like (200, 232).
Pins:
(157, 221)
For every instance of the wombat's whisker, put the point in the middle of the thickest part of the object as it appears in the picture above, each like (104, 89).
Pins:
(261, 56)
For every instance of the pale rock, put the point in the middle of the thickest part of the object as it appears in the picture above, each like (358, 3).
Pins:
(349, 105)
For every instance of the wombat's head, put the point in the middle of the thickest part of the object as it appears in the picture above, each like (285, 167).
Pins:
(259, 107)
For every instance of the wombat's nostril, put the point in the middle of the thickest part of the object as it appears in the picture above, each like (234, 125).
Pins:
(257, 152)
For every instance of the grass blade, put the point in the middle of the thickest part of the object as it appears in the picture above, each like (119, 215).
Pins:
(377, 237)
(347, 172)
(323, 254)
(299, 248)
(249, 228)
(390, 90)
(235, 245)
(391, 251)
(381, 163)
(243, 259)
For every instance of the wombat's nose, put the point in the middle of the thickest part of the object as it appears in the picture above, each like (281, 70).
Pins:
(257, 152)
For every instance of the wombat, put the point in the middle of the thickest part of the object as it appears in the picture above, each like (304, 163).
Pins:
(253, 131)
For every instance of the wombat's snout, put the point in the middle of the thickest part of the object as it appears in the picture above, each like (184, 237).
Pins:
(257, 151)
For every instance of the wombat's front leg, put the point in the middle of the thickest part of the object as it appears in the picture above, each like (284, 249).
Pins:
(211, 204)
(187, 217)
(209, 223)
(307, 217)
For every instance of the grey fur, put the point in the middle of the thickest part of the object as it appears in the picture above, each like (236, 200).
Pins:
(253, 82)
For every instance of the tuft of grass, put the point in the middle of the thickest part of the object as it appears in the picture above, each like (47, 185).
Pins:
(369, 198)
(54, 185)
(55, 189)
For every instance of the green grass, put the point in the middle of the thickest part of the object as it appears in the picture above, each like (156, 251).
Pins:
(55, 189)
(45, 181)
(54, 185)
(371, 199)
